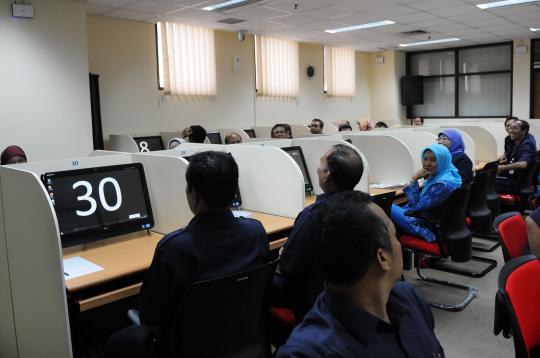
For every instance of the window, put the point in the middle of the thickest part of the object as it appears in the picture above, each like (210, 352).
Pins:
(186, 59)
(276, 67)
(339, 72)
(464, 82)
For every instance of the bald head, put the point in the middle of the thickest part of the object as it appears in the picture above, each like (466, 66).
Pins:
(233, 138)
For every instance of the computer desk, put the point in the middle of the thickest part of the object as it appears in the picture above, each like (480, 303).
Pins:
(125, 259)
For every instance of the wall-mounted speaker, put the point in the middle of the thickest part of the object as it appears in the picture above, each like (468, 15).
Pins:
(310, 71)
(412, 90)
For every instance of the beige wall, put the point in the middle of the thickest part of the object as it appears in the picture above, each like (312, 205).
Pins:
(44, 95)
(521, 85)
(384, 80)
(123, 54)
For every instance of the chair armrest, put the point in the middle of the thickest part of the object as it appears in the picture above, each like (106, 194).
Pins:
(420, 215)
(133, 315)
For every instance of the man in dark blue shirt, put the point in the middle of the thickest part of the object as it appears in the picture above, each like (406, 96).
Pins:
(340, 169)
(521, 158)
(362, 312)
(213, 244)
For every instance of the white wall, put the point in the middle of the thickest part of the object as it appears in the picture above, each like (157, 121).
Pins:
(521, 85)
(44, 91)
(123, 53)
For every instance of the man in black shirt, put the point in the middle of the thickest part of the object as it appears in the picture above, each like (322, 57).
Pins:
(213, 244)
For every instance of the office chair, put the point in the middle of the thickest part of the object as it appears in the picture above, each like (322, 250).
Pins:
(512, 230)
(492, 198)
(225, 317)
(517, 312)
(385, 201)
(521, 200)
(480, 218)
(453, 240)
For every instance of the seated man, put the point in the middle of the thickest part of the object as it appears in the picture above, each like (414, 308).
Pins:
(233, 138)
(364, 311)
(280, 131)
(522, 156)
(194, 134)
(213, 244)
(418, 121)
(533, 232)
(340, 169)
(316, 126)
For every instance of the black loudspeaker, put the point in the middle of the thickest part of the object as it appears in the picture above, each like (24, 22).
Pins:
(412, 90)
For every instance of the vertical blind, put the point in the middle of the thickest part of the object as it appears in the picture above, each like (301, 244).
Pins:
(276, 67)
(339, 72)
(188, 60)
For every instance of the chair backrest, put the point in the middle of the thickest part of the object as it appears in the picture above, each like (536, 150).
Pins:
(492, 196)
(525, 178)
(479, 191)
(225, 317)
(453, 226)
(520, 287)
(512, 231)
(384, 201)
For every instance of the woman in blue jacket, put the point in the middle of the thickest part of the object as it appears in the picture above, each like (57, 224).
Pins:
(452, 140)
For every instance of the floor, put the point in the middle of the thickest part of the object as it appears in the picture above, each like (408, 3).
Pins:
(468, 333)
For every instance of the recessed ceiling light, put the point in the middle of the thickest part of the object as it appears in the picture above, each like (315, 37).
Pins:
(430, 42)
(229, 4)
(535, 29)
(360, 27)
(490, 5)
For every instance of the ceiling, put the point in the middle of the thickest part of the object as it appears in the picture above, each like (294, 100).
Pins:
(306, 20)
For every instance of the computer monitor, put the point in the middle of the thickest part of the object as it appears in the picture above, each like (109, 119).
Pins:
(384, 201)
(298, 156)
(237, 200)
(214, 138)
(149, 144)
(96, 203)
(250, 133)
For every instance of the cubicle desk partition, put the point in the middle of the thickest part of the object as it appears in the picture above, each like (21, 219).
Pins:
(470, 145)
(488, 148)
(223, 132)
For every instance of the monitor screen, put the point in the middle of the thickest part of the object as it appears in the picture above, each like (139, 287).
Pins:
(250, 133)
(298, 156)
(149, 144)
(96, 203)
(214, 138)
(237, 200)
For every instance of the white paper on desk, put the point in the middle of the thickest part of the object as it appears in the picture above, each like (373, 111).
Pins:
(386, 185)
(77, 266)
(241, 214)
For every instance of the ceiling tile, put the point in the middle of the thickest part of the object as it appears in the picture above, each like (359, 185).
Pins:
(456, 10)
(259, 12)
(152, 7)
(327, 12)
(322, 25)
(130, 15)
(293, 19)
(416, 17)
(434, 23)
(435, 4)
(97, 10)
(197, 14)
(303, 5)
(110, 3)
(388, 12)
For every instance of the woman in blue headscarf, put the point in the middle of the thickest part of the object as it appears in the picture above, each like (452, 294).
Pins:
(452, 140)
(442, 179)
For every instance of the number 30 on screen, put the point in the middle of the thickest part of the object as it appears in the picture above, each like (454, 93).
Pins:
(93, 204)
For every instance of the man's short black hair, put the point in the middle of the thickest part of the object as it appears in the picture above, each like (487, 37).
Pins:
(344, 126)
(198, 134)
(214, 175)
(321, 123)
(348, 234)
(523, 125)
(510, 119)
(381, 125)
(346, 167)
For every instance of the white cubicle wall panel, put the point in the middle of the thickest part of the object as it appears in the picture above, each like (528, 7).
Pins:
(313, 151)
(416, 142)
(263, 132)
(123, 143)
(470, 146)
(390, 160)
(498, 131)
(299, 130)
(486, 144)
(223, 132)
(270, 180)
(265, 142)
(330, 128)
(35, 267)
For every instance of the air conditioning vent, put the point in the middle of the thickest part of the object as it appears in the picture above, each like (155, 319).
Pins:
(414, 33)
(231, 20)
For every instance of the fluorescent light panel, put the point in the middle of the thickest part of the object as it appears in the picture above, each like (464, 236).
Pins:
(535, 29)
(490, 5)
(360, 27)
(229, 4)
(430, 42)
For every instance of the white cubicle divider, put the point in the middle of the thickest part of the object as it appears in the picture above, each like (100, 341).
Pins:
(470, 146)
(390, 159)
(313, 151)
(167, 136)
(270, 180)
(485, 141)
(415, 141)
(123, 143)
(266, 142)
(263, 132)
(330, 128)
(37, 304)
(223, 132)
(299, 130)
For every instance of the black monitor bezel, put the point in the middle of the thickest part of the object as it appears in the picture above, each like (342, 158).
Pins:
(96, 234)
(149, 136)
(218, 136)
(250, 131)
(309, 185)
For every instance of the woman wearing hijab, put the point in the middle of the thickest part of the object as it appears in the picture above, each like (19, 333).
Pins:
(13, 155)
(452, 140)
(442, 178)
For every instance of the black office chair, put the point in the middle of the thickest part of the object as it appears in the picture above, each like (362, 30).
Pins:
(521, 199)
(225, 317)
(385, 201)
(452, 240)
(479, 214)
(492, 197)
